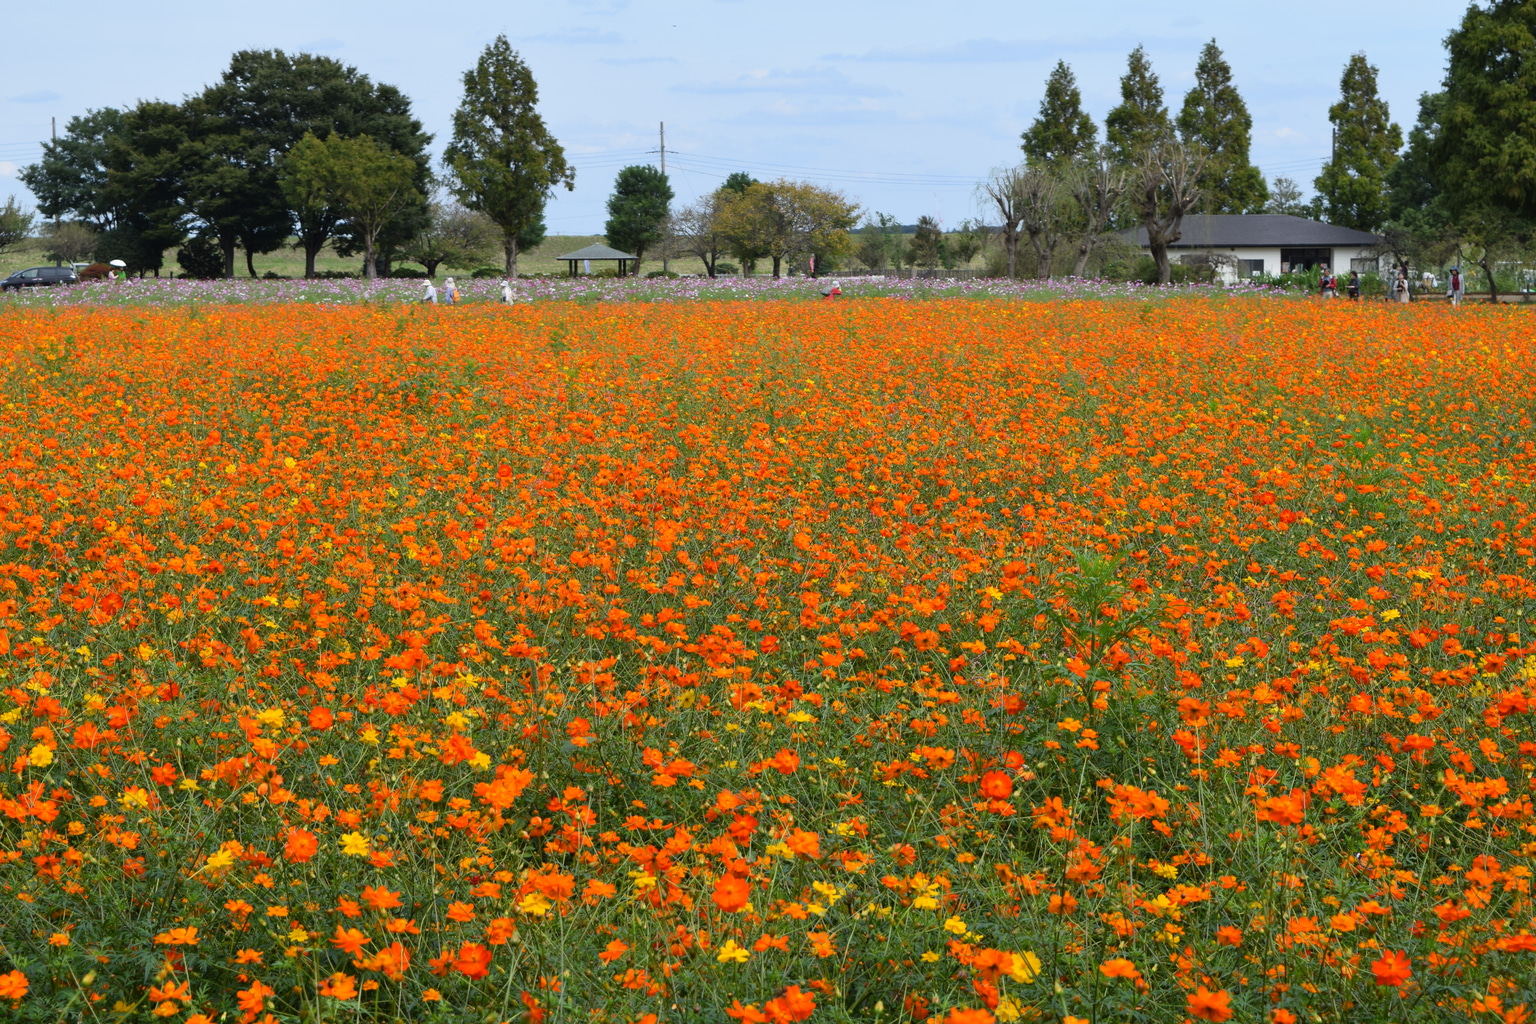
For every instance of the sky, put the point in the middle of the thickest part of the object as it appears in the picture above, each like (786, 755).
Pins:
(902, 106)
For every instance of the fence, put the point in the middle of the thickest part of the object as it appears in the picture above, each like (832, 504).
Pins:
(904, 274)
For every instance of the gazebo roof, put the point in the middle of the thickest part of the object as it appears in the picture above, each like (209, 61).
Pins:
(598, 251)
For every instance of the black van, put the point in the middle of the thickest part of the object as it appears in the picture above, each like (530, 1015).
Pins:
(34, 277)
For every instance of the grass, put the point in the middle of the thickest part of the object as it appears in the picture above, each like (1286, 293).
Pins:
(289, 262)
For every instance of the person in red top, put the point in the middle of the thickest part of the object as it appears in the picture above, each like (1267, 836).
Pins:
(832, 291)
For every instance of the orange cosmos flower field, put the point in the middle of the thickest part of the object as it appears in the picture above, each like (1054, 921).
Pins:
(951, 661)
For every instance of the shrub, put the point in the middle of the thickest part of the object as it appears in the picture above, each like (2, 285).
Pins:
(201, 258)
(482, 273)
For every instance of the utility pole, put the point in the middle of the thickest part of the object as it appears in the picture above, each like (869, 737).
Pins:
(662, 150)
(53, 131)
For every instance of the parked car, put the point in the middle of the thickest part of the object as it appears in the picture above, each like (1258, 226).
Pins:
(34, 277)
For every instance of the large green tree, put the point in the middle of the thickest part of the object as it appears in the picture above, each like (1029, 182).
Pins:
(15, 226)
(1140, 121)
(1487, 140)
(784, 220)
(71, 177)
(368, 183)
(503, 160)
(1365, 144)
(1216, 121)
(272, 99)
(1063, 131)
(637, 210)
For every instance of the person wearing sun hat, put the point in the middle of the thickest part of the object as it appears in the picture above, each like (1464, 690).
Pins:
(831, 290)
(450, 292)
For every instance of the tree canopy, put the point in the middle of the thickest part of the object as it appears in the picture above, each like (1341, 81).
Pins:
(1353, 184)
(503, 160)
(1141, 119)
(1063, 130)
(1215, 120)
(637, 210)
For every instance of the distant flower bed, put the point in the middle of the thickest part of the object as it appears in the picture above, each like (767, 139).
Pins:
(168, 292)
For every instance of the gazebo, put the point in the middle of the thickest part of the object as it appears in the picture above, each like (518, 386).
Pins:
(598, 251)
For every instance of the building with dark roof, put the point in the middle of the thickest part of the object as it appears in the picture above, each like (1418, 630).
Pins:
(1245, 245)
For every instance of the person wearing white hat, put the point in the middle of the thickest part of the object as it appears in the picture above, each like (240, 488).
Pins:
(832, 290)
(506, 292)
(431, 293)
(450, 292)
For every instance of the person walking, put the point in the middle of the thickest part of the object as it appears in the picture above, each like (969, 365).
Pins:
(1400, 287)
(1457, 284)
(506, 292)
(450, 292)
(1354, 286)
(431, 293)
(1322, 283)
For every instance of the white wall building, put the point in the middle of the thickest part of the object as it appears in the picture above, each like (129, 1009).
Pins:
(1266, 243)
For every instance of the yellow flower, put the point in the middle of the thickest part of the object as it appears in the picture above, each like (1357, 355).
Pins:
(41, 756)
(354, 844)
(1390, 614)
(1026, 968)
(534, 903)
(929, 957)
(1009, 1009)
(271, 716)
(955, 925)
(732, 953)
(220, 861)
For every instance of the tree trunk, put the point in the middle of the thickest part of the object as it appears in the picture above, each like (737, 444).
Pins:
(776, 265)
(370, 259)
(431, 266)
(250, 263)
(509, 247)
(311, 250)
(229, 260)
(1493, 289)
(1160, 257)
(1011, 246)
(1084, 251)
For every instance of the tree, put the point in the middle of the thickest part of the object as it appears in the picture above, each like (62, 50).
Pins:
(503, 160)
(1043, 199)
(454, 237)
(71, 177)
(69, 241)
(738, 182)
(1063, 131)
(1164, 187)
(365, 181)
(1365, 144)
(1215, 119)
(1097, 185)
(968, 240)
(1002, 189)
(695, 230)
(1141, 119)
(15, 227)
(273, 99)
(637, 210)
(1285, 197)
(926, 248)
(784, 220)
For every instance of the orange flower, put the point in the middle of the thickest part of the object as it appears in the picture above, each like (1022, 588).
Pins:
(178, 937)
(732, 893)
(977, 1016)
(320, 719)
(349, 940)
(804, 844)
(339, 986)
(1207, 1005)
(1393, 969)
(473, 960)
(997, 785)
(613, 951)
(790, 1005)
(1119, 968)
(1227, 935)
(300, 845)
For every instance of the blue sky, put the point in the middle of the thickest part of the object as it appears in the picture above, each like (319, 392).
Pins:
(901, 105)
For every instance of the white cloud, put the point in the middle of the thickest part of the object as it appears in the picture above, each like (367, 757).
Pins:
(7, 168)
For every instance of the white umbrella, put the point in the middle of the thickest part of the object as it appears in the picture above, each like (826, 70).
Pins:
(117, 263)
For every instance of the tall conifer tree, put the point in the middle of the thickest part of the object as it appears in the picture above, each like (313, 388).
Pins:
(1063, 131)
(1353, 185)
(1141, 119)
(1216, 120)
